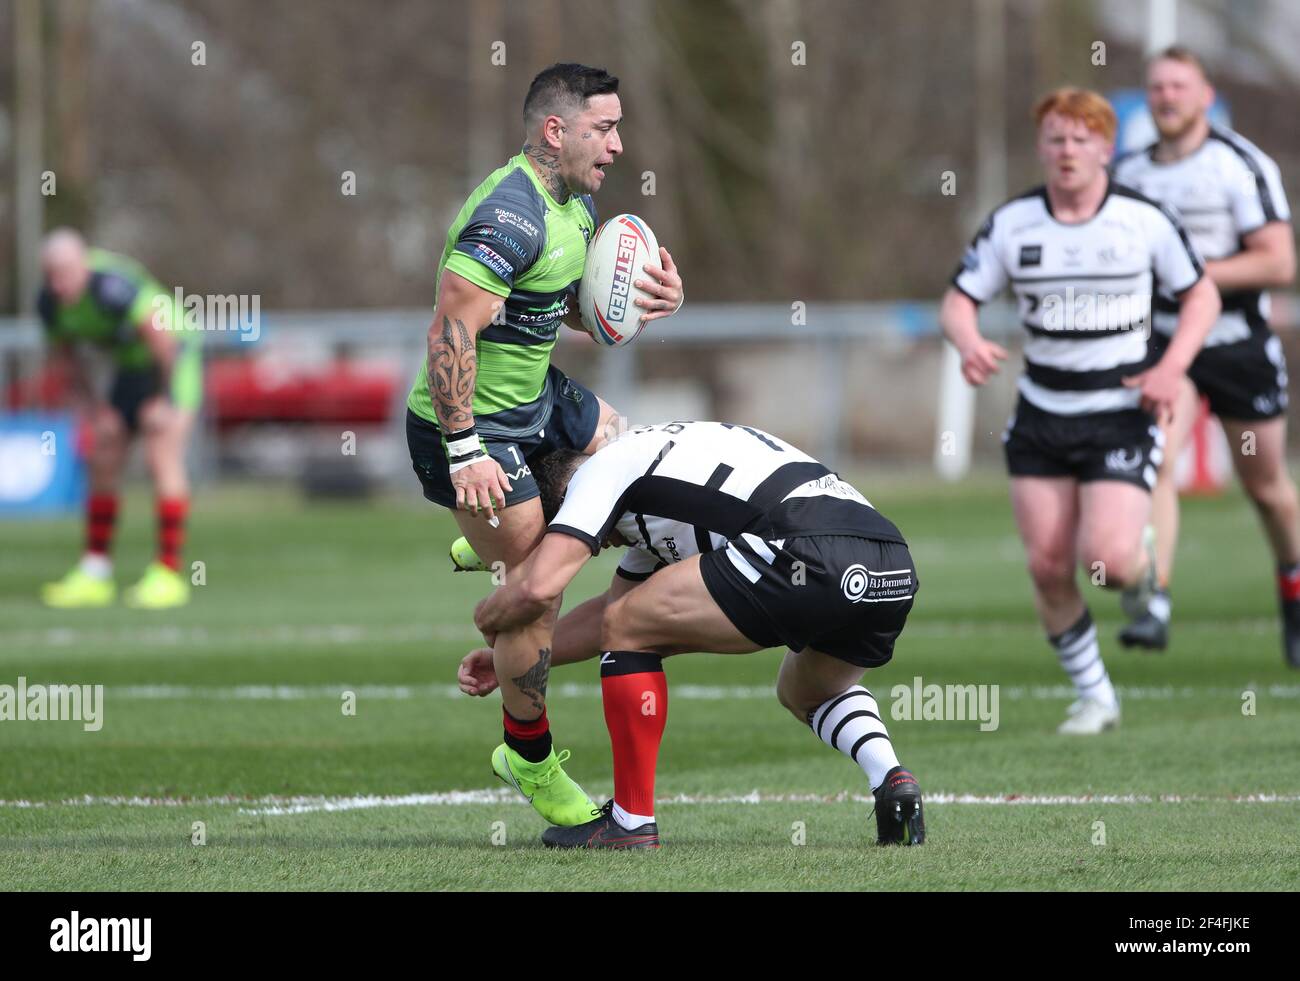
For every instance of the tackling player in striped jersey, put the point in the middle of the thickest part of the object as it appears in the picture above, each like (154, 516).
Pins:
(738, 541)
(1082, 255)
(1228, 194)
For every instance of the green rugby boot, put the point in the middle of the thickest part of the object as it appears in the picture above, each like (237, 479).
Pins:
(160, 588)
(545, 785)
(78, 589)
(464, 558)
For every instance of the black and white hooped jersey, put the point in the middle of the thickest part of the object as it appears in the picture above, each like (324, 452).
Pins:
(1221, 192)
(685, 488)
(1084, 291)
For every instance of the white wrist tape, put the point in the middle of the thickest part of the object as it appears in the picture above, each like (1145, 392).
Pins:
(463, 446)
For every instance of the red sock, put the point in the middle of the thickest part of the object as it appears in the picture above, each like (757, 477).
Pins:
(101, 516)
(1288, 582)
(171, 530)
(635, 693)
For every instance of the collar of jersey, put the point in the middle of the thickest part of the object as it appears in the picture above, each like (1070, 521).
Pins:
(1047, 206)
(537, 182)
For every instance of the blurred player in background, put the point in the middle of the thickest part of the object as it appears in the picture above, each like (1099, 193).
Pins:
(487, 400)
(97, 305)
(1228, 195)
(738, 542)
(1082, 255)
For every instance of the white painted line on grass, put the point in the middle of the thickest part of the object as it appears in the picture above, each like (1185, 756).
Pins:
(280, 805)
(235, 637)
(708, 693)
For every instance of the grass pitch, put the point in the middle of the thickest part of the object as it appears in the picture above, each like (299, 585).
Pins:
(229, 713)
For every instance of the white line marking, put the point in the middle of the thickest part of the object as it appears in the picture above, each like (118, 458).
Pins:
(707, 693)
(235, 638)
(278, 805)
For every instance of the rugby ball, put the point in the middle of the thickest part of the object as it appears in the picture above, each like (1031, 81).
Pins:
(618, 250)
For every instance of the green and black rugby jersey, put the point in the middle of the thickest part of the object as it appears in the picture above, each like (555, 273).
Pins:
(511, 238)
(120, 296)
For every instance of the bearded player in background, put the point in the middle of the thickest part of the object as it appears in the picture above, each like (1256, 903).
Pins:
(94, 300)
(1228, 194)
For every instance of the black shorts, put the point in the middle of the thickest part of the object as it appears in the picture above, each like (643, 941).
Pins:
(844, 596)
(1244, 380)
(1125, 445)
(132, 387)
(571, 424)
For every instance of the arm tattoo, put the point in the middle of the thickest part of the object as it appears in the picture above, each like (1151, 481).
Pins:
(453, 367)
(549, 165)
(533, 681)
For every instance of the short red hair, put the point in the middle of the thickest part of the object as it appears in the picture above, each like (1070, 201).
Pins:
(1083, 105)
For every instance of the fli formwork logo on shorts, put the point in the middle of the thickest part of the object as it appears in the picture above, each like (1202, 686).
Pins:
(53, 703)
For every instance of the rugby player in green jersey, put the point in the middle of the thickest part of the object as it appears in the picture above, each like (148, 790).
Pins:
(487, 399)
(97, 304)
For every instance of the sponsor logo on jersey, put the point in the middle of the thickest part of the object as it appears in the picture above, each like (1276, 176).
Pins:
(1031, 255)
(497, 235)
(1123, 461)
(518, 221)
(1072, 256)
(493, 260)
(670, 543)
(556, 253)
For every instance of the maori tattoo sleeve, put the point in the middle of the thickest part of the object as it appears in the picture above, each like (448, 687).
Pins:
(453, 365)
(533, 681)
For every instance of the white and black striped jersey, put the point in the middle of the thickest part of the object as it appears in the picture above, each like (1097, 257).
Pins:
(685, 488)
(1222, 191)
(1084, 291)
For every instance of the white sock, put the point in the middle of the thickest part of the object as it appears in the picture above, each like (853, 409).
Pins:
(1160, 606)
(97, 565)
(630, 822)
(1080, 656)
(851, 723)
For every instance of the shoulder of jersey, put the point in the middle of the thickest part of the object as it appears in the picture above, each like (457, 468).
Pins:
(1035, 196)
(1250, 154)
(1131, 158)
(1122, 190)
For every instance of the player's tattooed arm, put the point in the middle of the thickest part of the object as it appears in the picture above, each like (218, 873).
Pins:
(548, 166)
(452, 369)
(533, 681)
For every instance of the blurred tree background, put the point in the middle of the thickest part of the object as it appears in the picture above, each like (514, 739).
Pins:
(797, 148)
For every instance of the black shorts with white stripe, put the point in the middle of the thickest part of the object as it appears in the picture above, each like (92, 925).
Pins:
(1245, 380)
(1125, 445)
(839, 594)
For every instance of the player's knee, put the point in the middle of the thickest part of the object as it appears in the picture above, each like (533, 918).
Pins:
(1111, 563)
(790, 698)
(1272, 492)
(1050, 569)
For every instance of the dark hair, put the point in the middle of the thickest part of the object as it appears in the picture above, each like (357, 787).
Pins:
(553, 473)
(564, 89)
